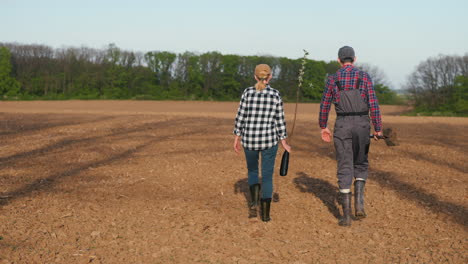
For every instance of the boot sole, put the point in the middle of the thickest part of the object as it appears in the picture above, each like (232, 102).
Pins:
(253, 213)
(344, 224)
(360, 215)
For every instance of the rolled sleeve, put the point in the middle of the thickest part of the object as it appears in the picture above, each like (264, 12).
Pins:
(326, 101)
(374, 106)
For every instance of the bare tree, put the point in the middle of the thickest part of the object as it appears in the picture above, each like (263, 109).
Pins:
(432, 82)
(378, 76)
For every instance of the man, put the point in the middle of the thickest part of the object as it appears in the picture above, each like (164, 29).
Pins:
(352, 92)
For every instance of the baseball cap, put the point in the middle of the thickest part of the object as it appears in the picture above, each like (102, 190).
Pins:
(346, 52)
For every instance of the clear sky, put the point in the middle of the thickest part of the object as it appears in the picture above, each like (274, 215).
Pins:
(392, 35)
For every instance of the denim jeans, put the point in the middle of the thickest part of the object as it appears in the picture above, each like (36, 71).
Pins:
(268, 164)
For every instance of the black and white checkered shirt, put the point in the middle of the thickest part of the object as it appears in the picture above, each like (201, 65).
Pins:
(260, 119)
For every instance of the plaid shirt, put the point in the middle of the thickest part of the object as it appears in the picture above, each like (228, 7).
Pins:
(348, 76)
(260, 119)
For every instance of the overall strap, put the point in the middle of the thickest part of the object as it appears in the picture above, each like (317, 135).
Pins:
(358, 84)
(337, 82)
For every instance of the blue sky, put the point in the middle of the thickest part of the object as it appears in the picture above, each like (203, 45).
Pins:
(392, 35)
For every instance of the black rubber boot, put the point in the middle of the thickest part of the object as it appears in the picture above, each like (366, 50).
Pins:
(346, 203)
(254, 199)
(359, 199)
(254, 195)
(265, 209)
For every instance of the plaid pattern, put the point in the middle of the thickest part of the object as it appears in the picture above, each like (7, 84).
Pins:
(348, 77)
(260, 119)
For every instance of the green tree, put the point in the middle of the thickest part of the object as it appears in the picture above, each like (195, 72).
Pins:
(286, 80)
(386, 96)
(460, 95)
(161, 64)
(210, 65)
(230, 77)
(88, 73)
(314, 78)
(195, 77)
(331, 67)
(8, 85)
(432, 84)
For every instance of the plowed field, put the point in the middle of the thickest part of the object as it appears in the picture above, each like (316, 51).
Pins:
(159, 182)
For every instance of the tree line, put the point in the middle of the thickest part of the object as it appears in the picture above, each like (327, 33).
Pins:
(439, 85)
(42, 72)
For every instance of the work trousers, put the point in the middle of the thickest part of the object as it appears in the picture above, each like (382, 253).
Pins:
(351, 139)
(268, 164)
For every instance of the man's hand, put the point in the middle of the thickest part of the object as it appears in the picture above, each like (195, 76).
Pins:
(285, 145)
(378, 135)
(326, 134)
(237, 144)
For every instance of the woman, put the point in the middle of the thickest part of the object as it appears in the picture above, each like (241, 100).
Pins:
(260, 123)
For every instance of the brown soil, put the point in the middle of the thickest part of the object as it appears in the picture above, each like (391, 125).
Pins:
(158, 182)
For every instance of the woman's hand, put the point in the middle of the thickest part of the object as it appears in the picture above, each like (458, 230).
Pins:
(285, 145)
(237, 144)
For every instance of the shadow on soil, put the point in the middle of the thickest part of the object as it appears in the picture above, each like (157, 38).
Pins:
(242, 186)
(44, 184)
(328, 193)
(420, 157)
(456, 141)
(323, 190)
(458, 213)
(14, 128)
(69, 143)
